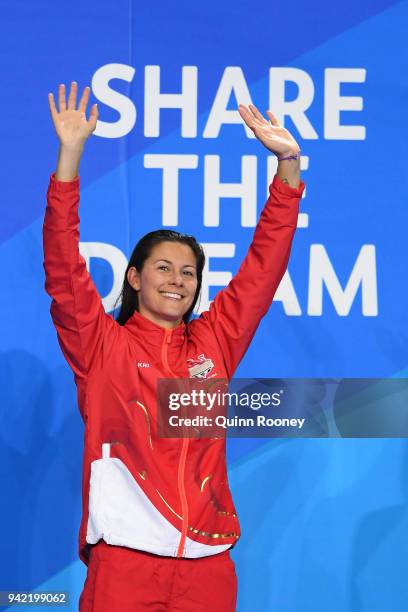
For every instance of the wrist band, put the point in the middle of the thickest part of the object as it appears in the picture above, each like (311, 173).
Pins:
(295, 157)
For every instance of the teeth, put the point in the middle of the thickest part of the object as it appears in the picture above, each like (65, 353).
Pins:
(172, 295)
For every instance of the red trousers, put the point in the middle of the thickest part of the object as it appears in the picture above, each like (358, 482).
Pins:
(121, 579)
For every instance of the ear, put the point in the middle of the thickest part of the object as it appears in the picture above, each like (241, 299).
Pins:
(133, 277)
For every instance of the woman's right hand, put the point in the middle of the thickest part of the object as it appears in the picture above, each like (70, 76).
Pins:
(71, 125)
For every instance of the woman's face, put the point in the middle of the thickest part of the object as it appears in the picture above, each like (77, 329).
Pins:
(167, 283)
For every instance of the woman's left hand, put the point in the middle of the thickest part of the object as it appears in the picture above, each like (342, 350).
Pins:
(272, 135)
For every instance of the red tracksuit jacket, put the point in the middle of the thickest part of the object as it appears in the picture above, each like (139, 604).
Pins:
(162, 495)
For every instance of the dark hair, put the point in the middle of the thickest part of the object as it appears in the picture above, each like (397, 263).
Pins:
(143, 249)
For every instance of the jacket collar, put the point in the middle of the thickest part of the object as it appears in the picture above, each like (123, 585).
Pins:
(152, 333)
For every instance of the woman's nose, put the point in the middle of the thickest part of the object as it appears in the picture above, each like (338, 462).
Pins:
(177, 279)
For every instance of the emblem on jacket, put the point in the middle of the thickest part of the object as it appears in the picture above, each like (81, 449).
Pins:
(201, 367)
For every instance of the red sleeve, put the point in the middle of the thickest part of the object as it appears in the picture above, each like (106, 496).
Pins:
(76, 308)
(237, 310)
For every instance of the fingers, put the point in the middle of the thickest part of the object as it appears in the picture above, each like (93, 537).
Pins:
(84, 100)
(61, 97)
(53, 108)
(257, 114)
(246, 116)
(72, 96)
(93, 117)
(273, 119)
(71, 99)
(253, 117)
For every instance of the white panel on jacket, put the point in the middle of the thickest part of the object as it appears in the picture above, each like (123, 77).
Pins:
(121, 514)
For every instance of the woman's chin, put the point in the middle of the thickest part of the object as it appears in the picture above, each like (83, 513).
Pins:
(172, 312)
(174, 309)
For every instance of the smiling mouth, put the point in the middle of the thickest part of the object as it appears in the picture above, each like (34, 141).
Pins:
(170, 295)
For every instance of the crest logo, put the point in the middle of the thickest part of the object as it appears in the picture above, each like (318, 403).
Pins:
(201, 367)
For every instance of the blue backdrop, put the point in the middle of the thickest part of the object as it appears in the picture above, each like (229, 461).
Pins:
(331, 514)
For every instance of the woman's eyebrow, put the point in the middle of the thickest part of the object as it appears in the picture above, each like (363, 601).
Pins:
(170, 262)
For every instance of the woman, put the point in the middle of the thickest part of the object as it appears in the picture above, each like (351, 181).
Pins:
(158, 519)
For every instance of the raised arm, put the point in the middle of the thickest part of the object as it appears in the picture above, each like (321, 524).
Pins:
(76, 309)
(236, 311)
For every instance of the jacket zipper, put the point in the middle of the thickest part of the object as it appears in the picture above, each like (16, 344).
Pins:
(183, 456)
